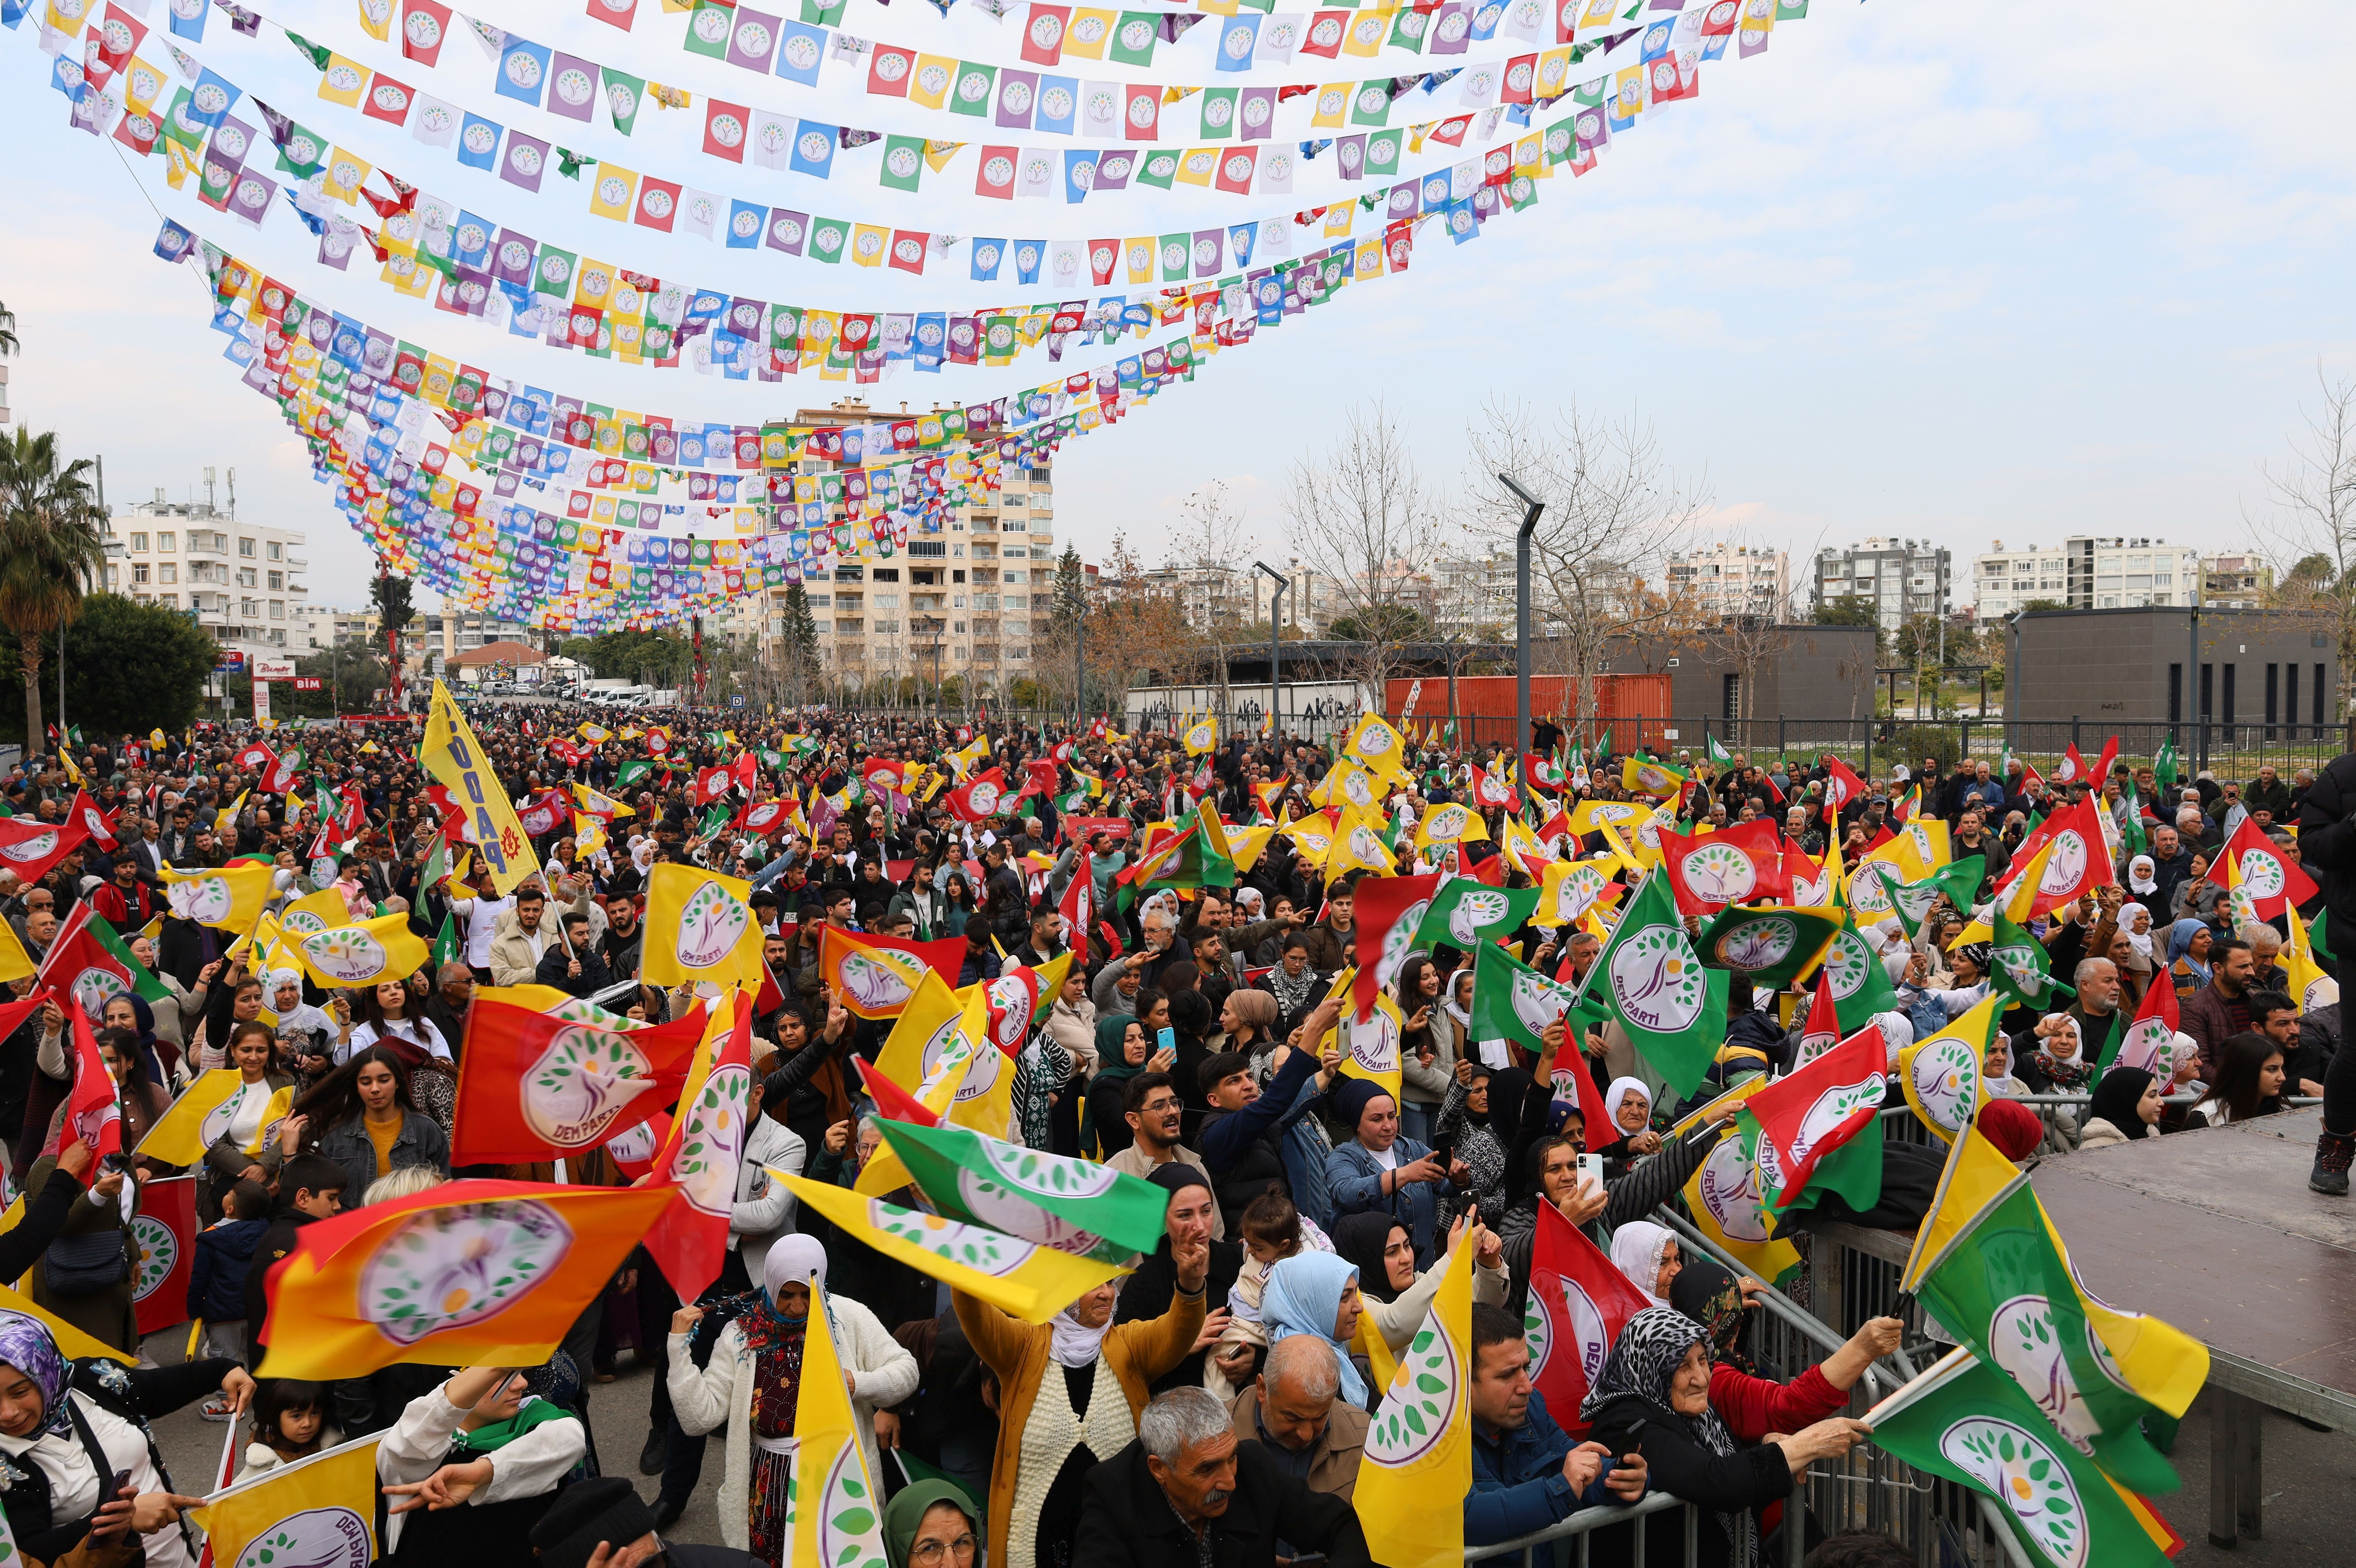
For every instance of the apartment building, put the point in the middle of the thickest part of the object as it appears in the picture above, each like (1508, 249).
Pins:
(1902, 578)
(240, 581)
(2236, 582)
(965, 601)
(2084, 572)
(1728, 580)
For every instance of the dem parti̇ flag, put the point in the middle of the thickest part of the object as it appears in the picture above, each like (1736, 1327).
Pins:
(536, 1084)
(1673, 1009)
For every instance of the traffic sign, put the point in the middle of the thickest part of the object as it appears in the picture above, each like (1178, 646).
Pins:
(737, 700)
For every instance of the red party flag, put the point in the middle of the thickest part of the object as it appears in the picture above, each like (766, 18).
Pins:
(1814, 1110)
(2273, 881)
(166, 1227)
(1822, 1031)
(1388, 910)
(30, 847)
(1582, 1303)
(977, 798)
(1842, 785)
(535, 1085)
(712, 784)
(1710, 871)
(91, 1112)
(84, 814)
(2142, 1041)
(698, 1161)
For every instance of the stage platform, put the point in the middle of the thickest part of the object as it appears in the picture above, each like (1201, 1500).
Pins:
(2216, 1232)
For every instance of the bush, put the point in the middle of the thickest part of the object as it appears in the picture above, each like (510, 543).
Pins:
(1917, 741)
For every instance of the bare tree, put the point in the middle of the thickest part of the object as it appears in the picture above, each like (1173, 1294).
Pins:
(1367, 516)
(1615, 514)
(1206, 557)
(2314, 495)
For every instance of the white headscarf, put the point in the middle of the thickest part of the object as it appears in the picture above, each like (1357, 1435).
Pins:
(1075, 1344)
(2140, 941)
(791, 1260)
(1621, 1089)
(2143, 874)
(1636, 1250)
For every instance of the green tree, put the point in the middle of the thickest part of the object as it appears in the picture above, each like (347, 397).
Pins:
(389, 594)
(51, 545)
(130, 667)
(1848, 609)
(2044, 604)
(798, 652)
(1069, 604)
(1384, 624)
(8, 343)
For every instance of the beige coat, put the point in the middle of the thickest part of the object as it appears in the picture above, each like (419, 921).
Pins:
(1333, 1463)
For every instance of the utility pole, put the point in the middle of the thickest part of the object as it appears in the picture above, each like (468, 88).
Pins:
(1275, 642)
(1522, 613)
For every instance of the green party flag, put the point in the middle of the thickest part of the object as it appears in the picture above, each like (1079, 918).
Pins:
(1467, 912)
(2018, 965)
(437, 864)
(709, 28)
(446, 949)
(1959, 881)
(1860, 985)
(2003, 1288)
(2165, 770)
(1515, 1002)
(770, 758)
(1852, 1170)
(1054, 1201)
(632, 771)
(2132, 837)
(1654, 982)
(1720, 757)
(903, 162)
(2315, 942)
(624, 104)
(1969, 1422)
(1774, 946)
(1603, 745)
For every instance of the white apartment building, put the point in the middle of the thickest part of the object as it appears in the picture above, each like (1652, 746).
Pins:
(1733, 580)
(2083, 573)
(240, 581)
(1902, 578)
(965, 601)
(2245, 582)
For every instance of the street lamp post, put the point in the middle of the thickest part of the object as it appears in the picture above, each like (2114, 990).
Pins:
(1522, 610)
(1275, 640)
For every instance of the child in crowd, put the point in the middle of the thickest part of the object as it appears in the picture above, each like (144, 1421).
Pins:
(217, 1276)
(1273, 1231)
(290, 1422)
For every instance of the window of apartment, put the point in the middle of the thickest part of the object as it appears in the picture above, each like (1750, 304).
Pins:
(167, 572)
(245, 578)
(245, 607)
(278, 583)
(822, 601)
(277, 550)
(167, 541)
(958, 628)
(885, 574)
(1042, 475)
(278, 636)
(917, 575)
(278, 609)
(892, 626)
(957, 601)
(138, 571)
(849, 574)
(887, 601)
(169, 601)
(245, 548)
(1018, 601)
(139, 541)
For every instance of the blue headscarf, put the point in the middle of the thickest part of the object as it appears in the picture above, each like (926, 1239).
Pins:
(27, 1345)
(2179, 947)
(1303, 1295)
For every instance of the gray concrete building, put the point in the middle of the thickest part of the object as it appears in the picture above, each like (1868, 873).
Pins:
(2251, 667)
(1758, 672)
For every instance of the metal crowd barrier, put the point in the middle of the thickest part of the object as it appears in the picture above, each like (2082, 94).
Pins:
(1536, 1550)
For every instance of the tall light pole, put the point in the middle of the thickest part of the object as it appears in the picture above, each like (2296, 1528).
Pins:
(1275, 640)
(1522, 612)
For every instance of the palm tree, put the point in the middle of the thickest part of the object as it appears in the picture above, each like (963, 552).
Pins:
(8, 343)
(51, 543)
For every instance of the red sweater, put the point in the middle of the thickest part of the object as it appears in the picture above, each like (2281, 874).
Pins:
(1752, 1407)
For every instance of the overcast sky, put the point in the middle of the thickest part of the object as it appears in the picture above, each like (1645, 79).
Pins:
(1969, 274)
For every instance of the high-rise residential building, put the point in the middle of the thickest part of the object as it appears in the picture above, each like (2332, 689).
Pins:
(240, 581)
(1900, 578)
(2082, 572)
(2243, 582)
(1733, 580)
(966, 601)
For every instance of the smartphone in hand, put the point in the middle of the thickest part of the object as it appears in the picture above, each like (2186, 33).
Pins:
(1165, 1039)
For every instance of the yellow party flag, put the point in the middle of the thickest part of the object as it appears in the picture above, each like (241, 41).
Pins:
(2309, 983)
(343, 81)
(2016, 897)
(1590, 815)
(1976, 1174)
(1522, 851)
(940, 1036)
(1449, 822)
(1032, 1282)
(1248, 844)
(1724, 1199)
(318, 1509)
(834, 1508)
(1371, 1049)
(363, 953)
(16, 964)
(1419, 1455)
(701, 927)
(1311, 839)
(1941, 1073)
(1202, 737)
(225, 825)
(456, 759)
(77, 1345)
(1366, 1340)
(1373, 744)
(202, 1114)
(1358, 846)
(316, 912)
(230, 898)
(588, 834)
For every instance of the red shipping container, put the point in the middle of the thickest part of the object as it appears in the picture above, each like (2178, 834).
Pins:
(1620, 701)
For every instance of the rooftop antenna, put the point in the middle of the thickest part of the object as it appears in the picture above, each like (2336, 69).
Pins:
(232, 494)
(209, 487)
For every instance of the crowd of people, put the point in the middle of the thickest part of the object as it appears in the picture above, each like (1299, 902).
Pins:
(1210, 1406)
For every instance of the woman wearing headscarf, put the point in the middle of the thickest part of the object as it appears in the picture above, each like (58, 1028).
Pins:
(303, 1031)
(1477, 1120)
(1295, 984)
(1317, 1294)
(1649, 1256)
(474, 1462)
(2187, 955)
(2057, 1063)
(1379, 1171)
(1393, 1294)
(1751, 1403)
(1653, 1396)
(930, 1524)
(2125, 1108)
(752, 1384)
(1145, 1294)
(1122, 1051)
(1069, 1391)
(67, 1428)
(2140, 961)
(1630, 1105)
(129, 1011)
